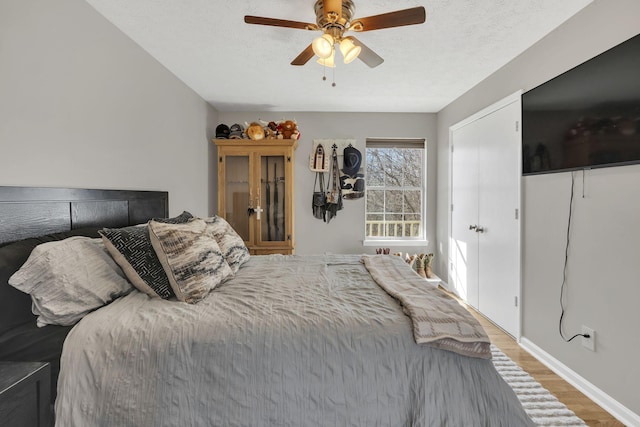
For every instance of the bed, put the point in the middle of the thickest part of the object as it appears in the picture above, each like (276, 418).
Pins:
(283, 341)
(30, 216)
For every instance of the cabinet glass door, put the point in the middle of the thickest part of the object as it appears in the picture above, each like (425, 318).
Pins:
(272, 191)
(237, 194)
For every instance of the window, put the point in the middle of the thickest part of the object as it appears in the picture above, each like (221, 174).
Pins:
(395, 190)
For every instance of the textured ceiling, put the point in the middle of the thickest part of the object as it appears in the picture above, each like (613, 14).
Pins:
(236, 67)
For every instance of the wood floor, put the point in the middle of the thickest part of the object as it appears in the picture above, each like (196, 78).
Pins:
(585, 408)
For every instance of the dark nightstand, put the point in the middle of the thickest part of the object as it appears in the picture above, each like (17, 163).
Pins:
(25, 394)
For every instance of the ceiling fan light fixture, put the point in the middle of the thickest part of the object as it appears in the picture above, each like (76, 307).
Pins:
(334, 18)
(349, 50)
(329, 61)
(323, 46)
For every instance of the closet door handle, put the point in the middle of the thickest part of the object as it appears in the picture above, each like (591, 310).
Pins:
(479, 230)
(473, 227)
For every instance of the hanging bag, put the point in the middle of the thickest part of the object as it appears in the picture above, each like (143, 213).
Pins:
(319, 201)
(334, 196)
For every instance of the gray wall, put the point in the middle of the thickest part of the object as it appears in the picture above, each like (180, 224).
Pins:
(603, 274)
(81, 105)
(344, 234)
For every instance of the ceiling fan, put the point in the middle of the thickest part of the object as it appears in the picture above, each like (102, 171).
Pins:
(334, 18)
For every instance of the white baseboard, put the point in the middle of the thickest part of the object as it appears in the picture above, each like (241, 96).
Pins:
(622, 413)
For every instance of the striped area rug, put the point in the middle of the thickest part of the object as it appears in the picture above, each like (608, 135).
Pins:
(543, 407)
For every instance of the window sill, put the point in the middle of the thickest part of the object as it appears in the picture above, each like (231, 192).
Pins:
(389, 243)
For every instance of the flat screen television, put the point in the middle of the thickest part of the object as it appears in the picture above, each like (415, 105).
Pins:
(587, 117)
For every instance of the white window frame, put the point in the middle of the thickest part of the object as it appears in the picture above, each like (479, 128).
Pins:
(396, 241)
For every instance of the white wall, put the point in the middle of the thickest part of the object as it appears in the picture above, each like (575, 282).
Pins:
(604, 274)
(345, 233)
(81, 105)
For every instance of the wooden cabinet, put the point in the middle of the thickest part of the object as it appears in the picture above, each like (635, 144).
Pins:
(25, 394)
(255, 192)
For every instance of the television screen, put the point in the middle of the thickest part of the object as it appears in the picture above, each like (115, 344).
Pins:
(587, 117)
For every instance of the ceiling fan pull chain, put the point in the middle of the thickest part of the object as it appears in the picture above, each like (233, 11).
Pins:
(333, 84)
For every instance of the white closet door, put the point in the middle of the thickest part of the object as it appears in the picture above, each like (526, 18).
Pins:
(499, 272)
(464, 241)
(485, 185)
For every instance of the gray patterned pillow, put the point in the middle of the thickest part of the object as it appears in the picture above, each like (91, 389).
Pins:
(180, 219)
(191, 258)
(131, 248)
(230, 242)
(68, 279)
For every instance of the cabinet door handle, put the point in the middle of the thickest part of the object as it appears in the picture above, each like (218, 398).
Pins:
(479, 230)
(473, 227)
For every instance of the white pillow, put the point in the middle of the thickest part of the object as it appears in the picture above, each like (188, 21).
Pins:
(191, 258)
(230, 242)
(68, 279)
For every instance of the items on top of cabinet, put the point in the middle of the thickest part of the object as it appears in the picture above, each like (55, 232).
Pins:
(236, 131)
(255, 131)
(222, 131)
(259, 130)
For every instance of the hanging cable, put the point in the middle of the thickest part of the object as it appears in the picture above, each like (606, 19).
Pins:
(566, 262)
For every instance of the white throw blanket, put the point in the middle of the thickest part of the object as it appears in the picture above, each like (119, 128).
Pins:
(438, 320)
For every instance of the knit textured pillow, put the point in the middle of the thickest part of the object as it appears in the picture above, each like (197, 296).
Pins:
(131, 249)
(230, 242)
(191, 258)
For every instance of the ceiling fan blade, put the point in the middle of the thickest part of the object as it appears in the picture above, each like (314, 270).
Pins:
(399, 18)
(367, 56)
(334, 6)
(279, 23)
(304, 56)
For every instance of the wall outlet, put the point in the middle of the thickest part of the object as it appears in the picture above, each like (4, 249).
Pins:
(589, 343)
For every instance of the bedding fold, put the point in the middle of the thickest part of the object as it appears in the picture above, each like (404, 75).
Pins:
(437, 319)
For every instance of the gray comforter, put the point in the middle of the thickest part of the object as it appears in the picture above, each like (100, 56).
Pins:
(290, 341)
